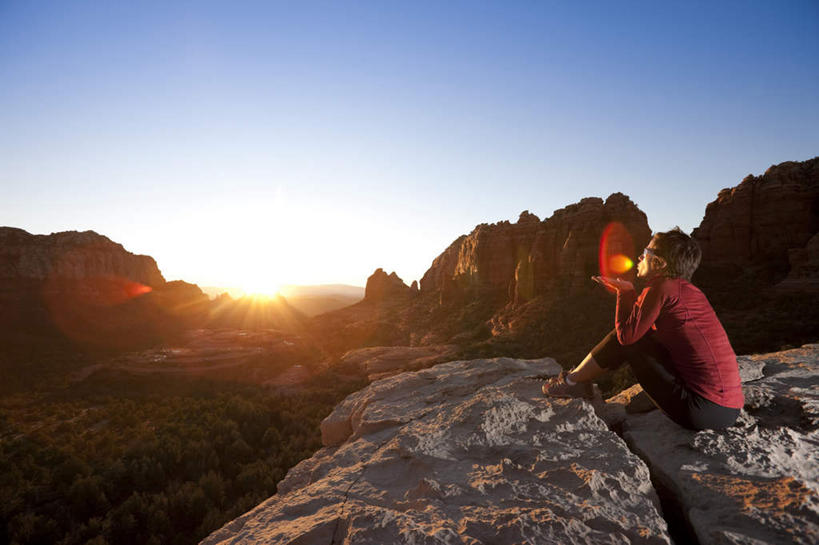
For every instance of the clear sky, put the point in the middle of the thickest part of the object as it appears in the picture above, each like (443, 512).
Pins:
(250, 144)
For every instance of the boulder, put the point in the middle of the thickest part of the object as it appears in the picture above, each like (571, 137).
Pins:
(758, 481)
(464, 452)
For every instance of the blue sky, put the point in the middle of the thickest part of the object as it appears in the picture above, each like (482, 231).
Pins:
(256, 143)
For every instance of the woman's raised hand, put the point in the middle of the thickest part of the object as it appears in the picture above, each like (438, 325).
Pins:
(613, 284)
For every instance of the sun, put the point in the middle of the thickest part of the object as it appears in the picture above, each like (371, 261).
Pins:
(262, 289)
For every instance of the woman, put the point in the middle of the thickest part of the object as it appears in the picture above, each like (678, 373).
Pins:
(672, 339)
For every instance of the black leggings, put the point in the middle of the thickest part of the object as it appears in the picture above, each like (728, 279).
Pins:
(652, 366)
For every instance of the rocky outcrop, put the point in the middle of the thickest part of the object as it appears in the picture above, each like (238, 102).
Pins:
(755, 224)
(382, 286)
(464, 452)
(470, 452)
(758, 481)
(533, 257)
(71, 255)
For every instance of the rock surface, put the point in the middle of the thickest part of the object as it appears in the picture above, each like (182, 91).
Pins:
(758, 481)
(464, 452)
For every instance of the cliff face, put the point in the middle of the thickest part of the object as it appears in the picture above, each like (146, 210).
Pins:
(71, 255)
(755, 224)
(533, 257)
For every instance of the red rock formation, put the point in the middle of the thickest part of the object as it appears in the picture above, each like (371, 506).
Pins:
(381, 286)
(71, 255)
(564, 254)
(85, 288)
(533, 257)
(757, 222)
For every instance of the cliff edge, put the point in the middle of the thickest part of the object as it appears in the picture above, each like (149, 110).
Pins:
(471, 452)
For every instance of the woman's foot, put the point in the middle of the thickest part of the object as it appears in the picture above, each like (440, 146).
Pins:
(558, 387)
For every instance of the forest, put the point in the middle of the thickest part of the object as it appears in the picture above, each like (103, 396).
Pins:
(140, 460)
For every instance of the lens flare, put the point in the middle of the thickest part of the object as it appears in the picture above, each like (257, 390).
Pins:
(616, 247)
(620, 263)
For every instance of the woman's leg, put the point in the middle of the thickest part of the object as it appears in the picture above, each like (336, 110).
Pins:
(588, 370)
(651, 364)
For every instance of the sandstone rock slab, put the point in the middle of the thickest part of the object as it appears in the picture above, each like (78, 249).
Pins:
(465, 452)
(758, 481)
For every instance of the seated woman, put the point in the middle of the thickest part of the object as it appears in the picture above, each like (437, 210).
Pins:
(672, 339)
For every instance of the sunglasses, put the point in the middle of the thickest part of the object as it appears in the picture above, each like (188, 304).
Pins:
(648, 252)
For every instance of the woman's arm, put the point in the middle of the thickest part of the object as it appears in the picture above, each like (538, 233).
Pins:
(635, 315)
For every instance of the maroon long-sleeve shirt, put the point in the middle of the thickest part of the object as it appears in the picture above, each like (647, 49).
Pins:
(687, 326)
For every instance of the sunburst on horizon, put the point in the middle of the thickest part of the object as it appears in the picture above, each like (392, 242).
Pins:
(261, 287)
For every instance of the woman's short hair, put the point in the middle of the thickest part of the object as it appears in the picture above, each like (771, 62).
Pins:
(681, 253)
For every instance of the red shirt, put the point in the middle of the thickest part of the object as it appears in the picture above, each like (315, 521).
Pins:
(686, 325)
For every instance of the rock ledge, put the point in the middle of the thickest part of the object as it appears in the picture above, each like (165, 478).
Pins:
(464, 452)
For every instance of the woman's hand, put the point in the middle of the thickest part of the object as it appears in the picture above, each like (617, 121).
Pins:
(613, 284)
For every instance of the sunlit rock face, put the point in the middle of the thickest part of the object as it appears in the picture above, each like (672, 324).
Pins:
(71, 255)
(758, 481)
(533, 257)
(757, 222)
(464, 452)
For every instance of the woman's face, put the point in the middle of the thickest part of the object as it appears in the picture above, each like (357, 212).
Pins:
(649, 263)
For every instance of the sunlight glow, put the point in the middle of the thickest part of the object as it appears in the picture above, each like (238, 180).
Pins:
(261, 289)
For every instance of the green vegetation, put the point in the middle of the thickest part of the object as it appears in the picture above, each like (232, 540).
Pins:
(149, 461)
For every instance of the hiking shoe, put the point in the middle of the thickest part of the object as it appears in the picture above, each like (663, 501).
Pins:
(558, 387)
